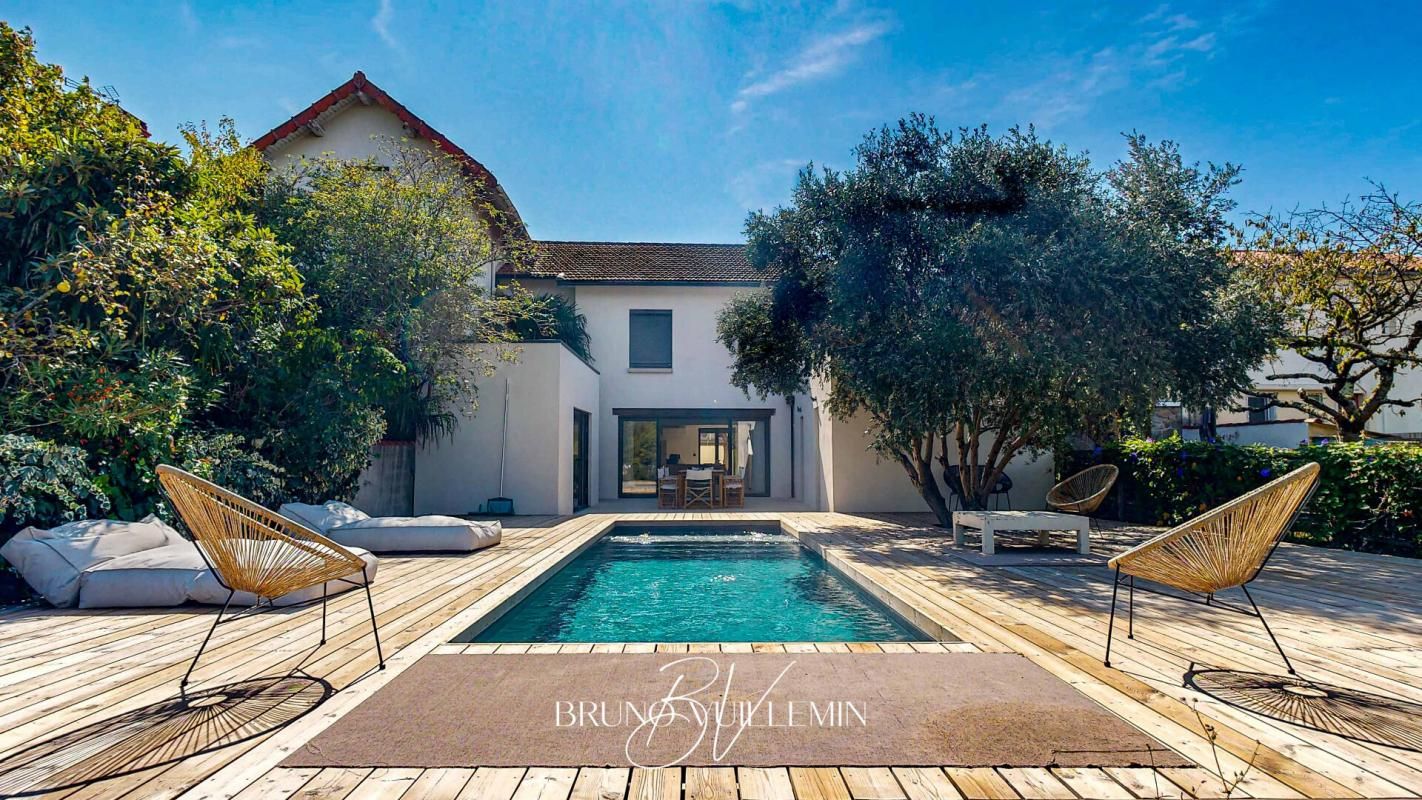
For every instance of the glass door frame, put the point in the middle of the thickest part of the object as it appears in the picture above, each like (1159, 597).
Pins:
(622, 456)
(582, 459)
(720, 418)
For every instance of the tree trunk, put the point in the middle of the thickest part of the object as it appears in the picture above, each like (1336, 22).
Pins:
(1352, 431)
(931, 495)
(918, 463)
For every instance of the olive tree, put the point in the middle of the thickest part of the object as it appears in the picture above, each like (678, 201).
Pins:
(977, 297)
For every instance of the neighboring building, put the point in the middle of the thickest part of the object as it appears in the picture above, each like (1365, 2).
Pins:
(1253, 421)
(658, 389)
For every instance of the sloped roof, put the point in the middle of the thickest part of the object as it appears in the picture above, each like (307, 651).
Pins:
(641, 262)
(360, 89)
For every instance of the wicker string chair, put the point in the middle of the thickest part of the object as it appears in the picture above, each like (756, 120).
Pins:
(1223, 548)
(251, 549)
(1084, 492)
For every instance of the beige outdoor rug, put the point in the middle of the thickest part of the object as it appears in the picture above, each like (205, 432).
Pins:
(763, 709)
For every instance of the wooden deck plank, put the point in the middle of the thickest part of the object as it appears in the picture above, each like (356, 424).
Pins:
(493, 783)
(980, 783)
(385, 784)
(818, 783)
(439, 784)
(872, 783)
(710, 783)
(601, 783)
(765, 783)
(1036, 782)
(1093, 783)
(546, 783)
(926, 783)
(280, 783)
(333, 783)
(655, 784)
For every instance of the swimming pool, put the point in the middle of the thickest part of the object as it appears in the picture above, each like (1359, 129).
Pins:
(699, 583)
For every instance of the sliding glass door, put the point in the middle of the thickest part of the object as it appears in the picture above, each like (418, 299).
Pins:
(639, 457)
(730, 442)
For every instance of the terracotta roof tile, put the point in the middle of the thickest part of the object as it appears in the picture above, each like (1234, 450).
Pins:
(642, 261)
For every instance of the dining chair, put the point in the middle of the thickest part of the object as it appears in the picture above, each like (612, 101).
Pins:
(952, 476)
(698, 488)
(668, 489)
(733, 487)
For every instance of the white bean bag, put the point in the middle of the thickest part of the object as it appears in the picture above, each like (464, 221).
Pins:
(350, 527)
(163, 576)
(324, 517)
(52, 561)
(114, 564)
(208, 589)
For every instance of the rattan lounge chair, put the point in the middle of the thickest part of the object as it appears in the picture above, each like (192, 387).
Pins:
(1084, 492)
(1220, 549)
(251, 549)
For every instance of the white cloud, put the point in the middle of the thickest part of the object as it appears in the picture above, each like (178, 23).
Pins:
(1168, 48)
(824, 57)
(380, 23)
(1159, 53)
(766, 184)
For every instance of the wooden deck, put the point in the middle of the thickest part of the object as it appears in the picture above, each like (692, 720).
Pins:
(1348, 620)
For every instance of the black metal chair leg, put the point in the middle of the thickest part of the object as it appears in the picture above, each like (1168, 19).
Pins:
(323, 613)
(1111, 626)
(208, 637)
(373, 628)
(1131, 610)
(1267, 630)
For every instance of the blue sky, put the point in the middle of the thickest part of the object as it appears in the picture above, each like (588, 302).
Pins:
(668, 121)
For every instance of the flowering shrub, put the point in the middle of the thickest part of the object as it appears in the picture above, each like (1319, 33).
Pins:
(1369, 496)
(44, 484)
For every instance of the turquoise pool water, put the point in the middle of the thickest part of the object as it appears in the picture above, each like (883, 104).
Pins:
(697, 584)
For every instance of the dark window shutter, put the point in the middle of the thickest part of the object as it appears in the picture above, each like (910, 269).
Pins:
(650, 338)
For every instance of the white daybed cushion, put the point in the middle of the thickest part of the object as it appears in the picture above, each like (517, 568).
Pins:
(51, 561)
(163, 576)
(324, 517)
(207, 589)
(417, 534)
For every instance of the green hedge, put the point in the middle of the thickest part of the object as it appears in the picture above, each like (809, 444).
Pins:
(1369, 496)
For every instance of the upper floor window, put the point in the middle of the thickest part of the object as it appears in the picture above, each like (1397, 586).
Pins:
(650, 340)
(1260, 410)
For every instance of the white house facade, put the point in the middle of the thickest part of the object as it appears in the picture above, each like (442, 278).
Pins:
(1252, 421)
(556, 434)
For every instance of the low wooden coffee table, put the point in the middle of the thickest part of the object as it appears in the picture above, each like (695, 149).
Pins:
(990, 522)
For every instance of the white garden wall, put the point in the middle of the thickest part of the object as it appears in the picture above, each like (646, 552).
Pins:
(458, 474)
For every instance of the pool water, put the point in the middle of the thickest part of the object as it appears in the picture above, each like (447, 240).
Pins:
(696, 584)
